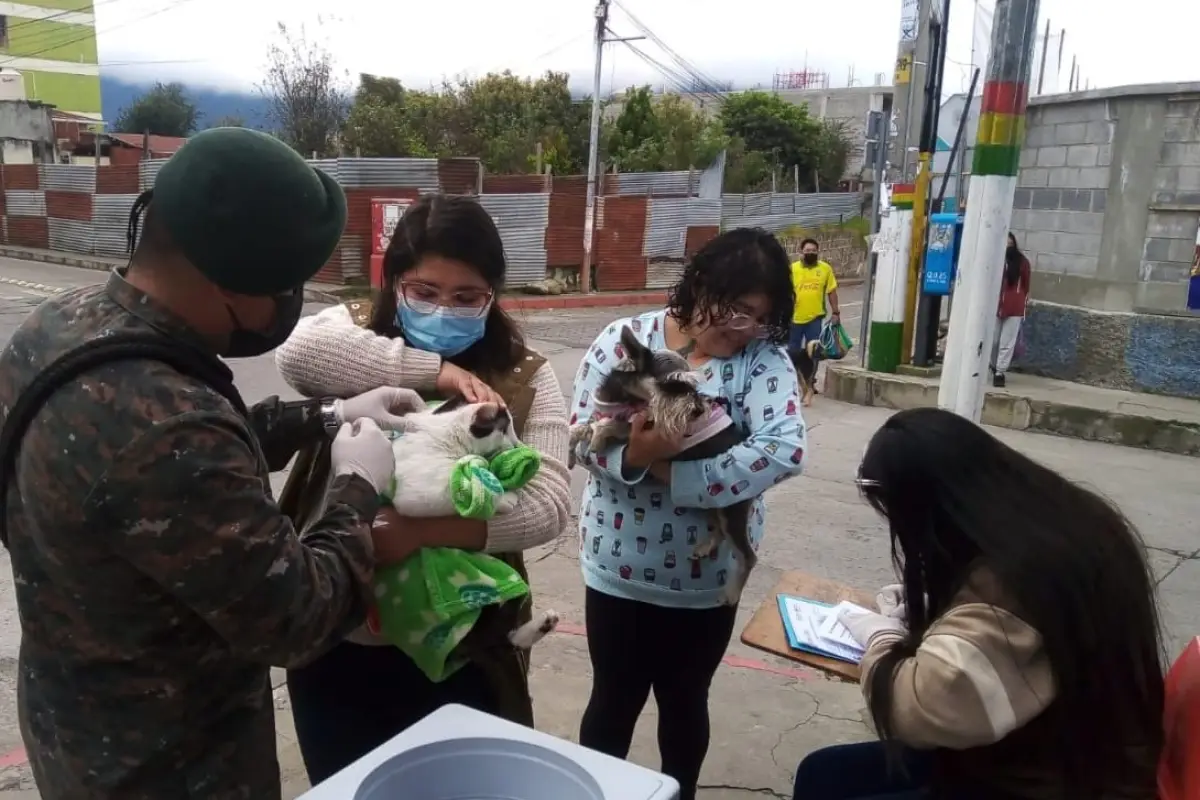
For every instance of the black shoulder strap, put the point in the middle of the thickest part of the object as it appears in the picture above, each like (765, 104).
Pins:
(74, 363)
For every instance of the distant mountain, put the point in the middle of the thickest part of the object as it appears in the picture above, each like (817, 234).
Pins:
(212, 104)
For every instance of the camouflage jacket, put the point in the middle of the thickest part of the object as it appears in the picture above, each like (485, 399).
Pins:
(156, 579)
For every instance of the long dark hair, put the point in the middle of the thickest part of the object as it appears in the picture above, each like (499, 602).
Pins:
(732, 265)
(1013, 258)
(456, 228)
(957, 500)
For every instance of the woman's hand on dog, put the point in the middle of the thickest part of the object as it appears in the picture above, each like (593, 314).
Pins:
(453, 381)
(393, 542)
(648, 445)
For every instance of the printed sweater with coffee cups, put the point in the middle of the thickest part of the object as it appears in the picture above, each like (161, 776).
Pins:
(636, 535)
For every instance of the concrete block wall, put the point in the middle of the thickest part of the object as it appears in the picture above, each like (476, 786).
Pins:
(1108, 199)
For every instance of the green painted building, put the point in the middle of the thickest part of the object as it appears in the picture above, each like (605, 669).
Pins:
(52, 43)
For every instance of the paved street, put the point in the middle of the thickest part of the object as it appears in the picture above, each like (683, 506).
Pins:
(766, 713)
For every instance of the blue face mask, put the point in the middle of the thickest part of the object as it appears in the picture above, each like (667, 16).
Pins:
(438, 332)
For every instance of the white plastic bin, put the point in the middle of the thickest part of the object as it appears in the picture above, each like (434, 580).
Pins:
(457, 753)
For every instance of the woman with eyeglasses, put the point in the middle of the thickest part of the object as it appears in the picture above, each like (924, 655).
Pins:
(1019, 658)
(655, 618)
(436, 327)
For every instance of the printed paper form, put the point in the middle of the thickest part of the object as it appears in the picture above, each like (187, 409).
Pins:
(813, 626)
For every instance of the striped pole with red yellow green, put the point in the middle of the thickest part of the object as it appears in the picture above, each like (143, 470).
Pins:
(989, 209)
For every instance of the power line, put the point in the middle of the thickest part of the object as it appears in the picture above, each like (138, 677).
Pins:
(58, 16)
(93, 33)
(706, 83)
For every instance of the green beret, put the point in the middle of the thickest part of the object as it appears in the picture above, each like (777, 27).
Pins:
(248, 212)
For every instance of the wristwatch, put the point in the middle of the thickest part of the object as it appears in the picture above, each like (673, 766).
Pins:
(330, 418)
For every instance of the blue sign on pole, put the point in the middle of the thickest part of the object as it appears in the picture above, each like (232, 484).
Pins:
(941, 256)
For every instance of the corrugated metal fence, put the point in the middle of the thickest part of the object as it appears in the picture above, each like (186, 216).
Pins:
(647, 224)
(774, 212)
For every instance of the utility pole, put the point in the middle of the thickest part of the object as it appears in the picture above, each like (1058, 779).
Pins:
(920, 310)
(985, 230)
(589, 213)
(876, 155)
(1042, 68)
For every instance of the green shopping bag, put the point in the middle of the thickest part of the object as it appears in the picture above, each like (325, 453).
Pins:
(835, 342)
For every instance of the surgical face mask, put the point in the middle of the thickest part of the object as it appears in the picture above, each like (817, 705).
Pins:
(438, 329)
(810, 259)
(246, 343)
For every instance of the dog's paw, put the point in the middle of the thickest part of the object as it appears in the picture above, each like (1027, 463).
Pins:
(731, 594)
(532, 632)
(704, 549)
(506, 502)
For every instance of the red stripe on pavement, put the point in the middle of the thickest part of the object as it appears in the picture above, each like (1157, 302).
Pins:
(14, 758)
(19, 757)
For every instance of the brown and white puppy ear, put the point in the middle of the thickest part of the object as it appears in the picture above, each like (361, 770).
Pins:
(489, 418)
(640, 356)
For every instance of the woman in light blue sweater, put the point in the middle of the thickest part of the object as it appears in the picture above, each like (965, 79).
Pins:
(655, 618)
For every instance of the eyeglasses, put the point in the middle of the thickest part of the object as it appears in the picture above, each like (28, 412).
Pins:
(740, 322)
(424, 298)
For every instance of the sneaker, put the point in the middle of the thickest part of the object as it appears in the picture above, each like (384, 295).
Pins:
(998, 381)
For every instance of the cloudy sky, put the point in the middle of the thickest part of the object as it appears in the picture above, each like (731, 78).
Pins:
(223, 43)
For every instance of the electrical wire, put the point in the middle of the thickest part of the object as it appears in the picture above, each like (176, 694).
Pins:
(675, 80)
(704, 83)
(93, 33)
(58, 16)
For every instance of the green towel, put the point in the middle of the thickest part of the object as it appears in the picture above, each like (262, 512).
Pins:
(427, 605)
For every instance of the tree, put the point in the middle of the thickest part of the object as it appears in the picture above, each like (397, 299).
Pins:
(788, 139)
(833, 152)
(307, 98)
(501, 118)
(164, 110)
(670, 134)
(229, 121)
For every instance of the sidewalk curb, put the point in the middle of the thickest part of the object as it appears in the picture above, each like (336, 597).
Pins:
(1005, 410)
(514, 302)
(98, 265)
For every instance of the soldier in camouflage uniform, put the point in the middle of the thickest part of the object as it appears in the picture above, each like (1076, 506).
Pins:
(157, 580)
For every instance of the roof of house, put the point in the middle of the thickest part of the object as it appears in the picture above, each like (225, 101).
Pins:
(158, 144)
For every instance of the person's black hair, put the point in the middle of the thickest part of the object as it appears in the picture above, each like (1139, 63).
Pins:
(153, 238)
(957, 500)
(457, 228)
(732, 265)
(1013, 257)
(811, 241)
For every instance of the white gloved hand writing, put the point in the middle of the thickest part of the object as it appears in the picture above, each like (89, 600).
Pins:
(386, 406)
(362, 449)
(890, 601)
(866, 625)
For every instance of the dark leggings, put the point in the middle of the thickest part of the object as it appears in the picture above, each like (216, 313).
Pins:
(636, 647)
(862, 772)
(356, 697)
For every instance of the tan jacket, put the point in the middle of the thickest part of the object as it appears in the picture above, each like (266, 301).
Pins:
(979, 690)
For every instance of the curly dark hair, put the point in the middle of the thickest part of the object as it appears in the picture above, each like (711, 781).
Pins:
(735, 264)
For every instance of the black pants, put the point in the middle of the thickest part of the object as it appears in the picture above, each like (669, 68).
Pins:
(636, 647)
(356, 697)
(862, 772)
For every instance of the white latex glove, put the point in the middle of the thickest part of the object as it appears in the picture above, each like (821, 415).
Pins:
(362, 449)
(386, 406)
(866, 625)
(890, 601)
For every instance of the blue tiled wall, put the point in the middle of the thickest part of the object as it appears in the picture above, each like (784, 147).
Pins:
(1136, 352)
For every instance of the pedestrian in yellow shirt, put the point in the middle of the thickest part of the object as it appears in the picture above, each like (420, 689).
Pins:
(816, 295)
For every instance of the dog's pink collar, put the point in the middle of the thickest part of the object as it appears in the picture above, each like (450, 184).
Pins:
(707, 427)
(620, 411)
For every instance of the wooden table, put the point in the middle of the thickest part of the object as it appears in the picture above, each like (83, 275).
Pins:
(765, 629)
